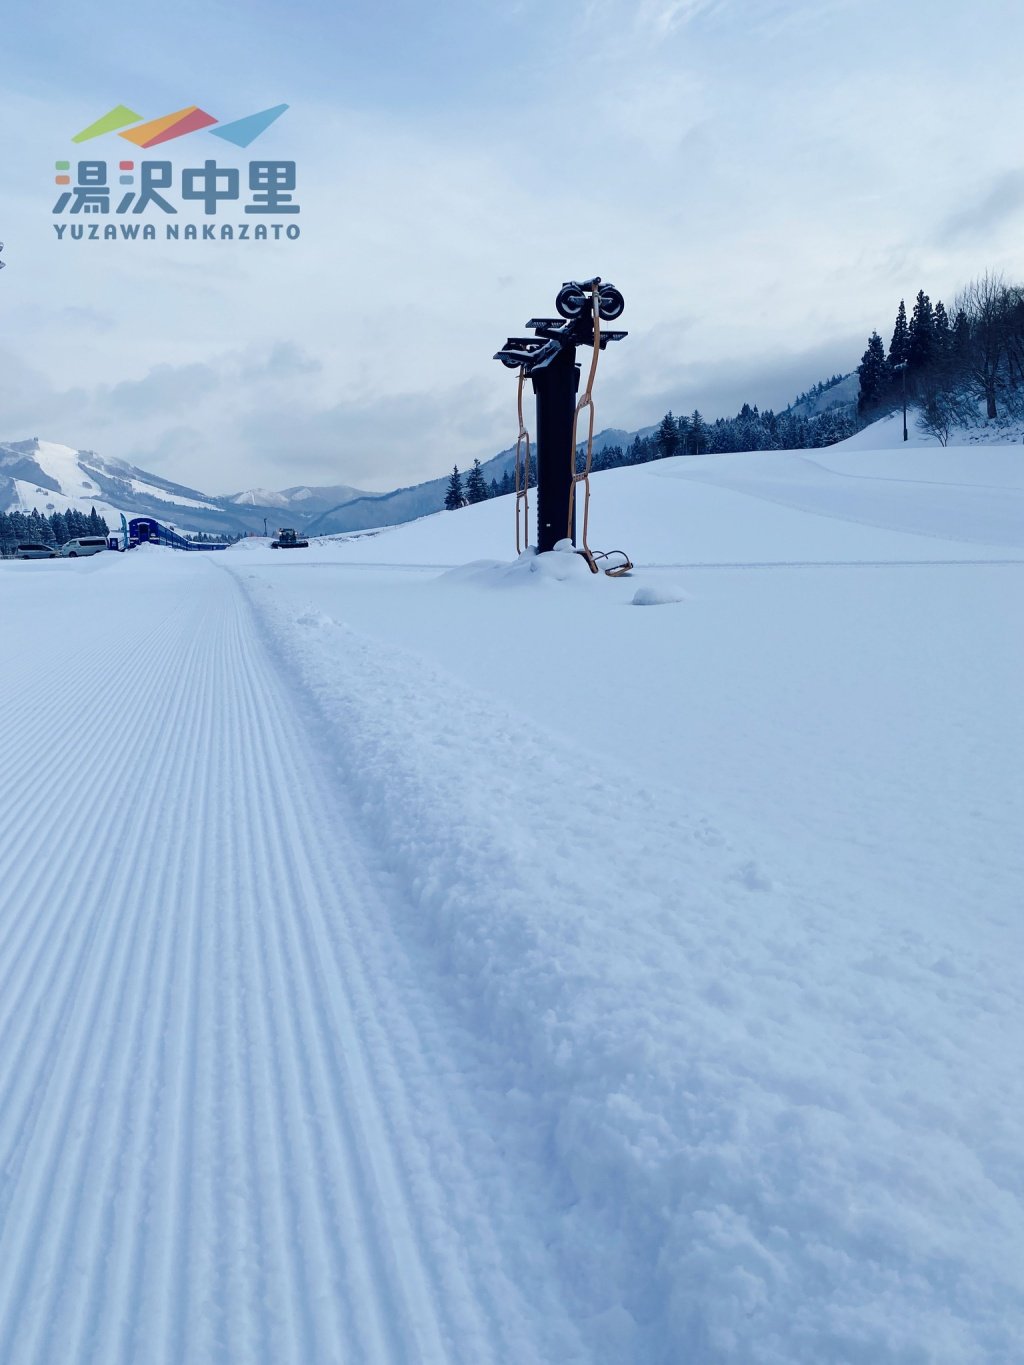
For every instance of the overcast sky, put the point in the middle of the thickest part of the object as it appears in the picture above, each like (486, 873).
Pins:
(762, 178)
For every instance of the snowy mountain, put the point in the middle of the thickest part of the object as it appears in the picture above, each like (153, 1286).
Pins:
(303, 500)
(260, 497)
(55, 478)
(50, 477)
(420, 500)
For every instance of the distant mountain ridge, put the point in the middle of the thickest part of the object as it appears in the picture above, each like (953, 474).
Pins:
(50, 477)
(56, 478)
(421, 499)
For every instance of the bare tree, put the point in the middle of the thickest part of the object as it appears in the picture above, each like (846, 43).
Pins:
(989, 304)
(944, 409)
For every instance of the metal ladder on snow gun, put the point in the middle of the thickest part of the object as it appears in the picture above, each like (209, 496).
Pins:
(581, 306)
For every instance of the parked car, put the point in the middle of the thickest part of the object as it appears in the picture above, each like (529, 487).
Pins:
(83, 545)
(32, 551)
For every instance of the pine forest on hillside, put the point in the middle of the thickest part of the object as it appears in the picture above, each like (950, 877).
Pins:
(951, 366)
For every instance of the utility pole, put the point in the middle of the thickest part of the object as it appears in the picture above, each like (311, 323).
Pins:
(902, 367)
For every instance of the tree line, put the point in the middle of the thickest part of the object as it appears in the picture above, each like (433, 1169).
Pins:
(949, 363)
(459, 494)
(750, 429)
(20, 528)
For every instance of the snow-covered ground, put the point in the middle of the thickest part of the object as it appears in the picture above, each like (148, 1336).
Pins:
(409, 954)
(887, 433)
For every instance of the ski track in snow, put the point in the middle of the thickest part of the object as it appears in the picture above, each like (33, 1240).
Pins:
(353, 1008)
(222, 1136)
(769, 1089)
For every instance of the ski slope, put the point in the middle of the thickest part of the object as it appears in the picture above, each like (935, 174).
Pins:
(230, 1127)
(411, 954)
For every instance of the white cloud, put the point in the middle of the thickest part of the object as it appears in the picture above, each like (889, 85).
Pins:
(761, 180)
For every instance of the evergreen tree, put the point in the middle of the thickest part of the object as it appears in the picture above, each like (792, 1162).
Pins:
(771, 425)
(698, 433)
(874, 376)
(667, 439)
(899, 347)
(942, 331)
(610, 457)
(921, 339)
(476, 488)
(454, 497)
(721, 437)
(943, 368)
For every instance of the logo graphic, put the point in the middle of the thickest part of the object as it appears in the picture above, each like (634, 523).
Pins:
(105, 200)
(191, 119)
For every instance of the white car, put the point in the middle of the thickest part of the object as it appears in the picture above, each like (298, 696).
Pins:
(32, 550)
(84, 545)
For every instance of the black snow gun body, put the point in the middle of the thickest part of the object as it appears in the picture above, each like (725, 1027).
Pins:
(564, 463)
(287, 539)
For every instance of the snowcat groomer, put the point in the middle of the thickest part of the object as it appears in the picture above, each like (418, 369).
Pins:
(287, 539)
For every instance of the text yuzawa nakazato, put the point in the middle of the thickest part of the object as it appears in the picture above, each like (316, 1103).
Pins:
(271, 191)
(173, 232)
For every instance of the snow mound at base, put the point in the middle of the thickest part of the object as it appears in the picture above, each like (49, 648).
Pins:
(563, 565)
(658, 595)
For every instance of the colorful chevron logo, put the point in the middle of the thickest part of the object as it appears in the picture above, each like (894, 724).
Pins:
(191, 119)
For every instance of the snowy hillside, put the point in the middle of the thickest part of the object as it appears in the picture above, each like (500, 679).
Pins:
(887, 433)
(368, 510)
(463, 959)
(51, 478)
(841, 394)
